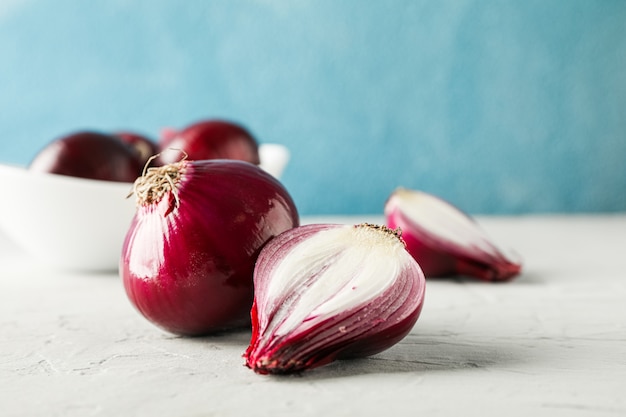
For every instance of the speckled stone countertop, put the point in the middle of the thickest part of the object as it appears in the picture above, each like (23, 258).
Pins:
(550, 343)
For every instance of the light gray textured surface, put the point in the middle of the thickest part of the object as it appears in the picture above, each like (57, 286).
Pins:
(551, 343)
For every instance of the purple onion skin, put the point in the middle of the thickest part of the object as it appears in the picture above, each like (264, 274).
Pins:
(320, 345)
(357, 347)
(144, 147)
(453, 261)
(90, 155)
(189, 268)
(211, 139)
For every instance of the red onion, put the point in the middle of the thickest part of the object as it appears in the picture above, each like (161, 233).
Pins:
(188, 258)
(446, 241)
(145, 147)
(210, 139)
(90, 155)
(325, 292)
(166, 135)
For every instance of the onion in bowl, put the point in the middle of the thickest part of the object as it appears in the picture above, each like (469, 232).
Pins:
(210, 139)
(91, 155)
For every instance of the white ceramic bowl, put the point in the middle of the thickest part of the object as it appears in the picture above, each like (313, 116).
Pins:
(76, 223)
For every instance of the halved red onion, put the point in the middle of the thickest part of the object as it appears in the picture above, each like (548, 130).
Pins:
(446, 241)
(188, 258)
(326, 291)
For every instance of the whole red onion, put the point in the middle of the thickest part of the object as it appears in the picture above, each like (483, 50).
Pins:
(88, 154)
(188, 258)
(210, 139)
(166, 135)
(145, 147)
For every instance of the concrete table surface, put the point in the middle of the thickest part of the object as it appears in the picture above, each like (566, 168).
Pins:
(552, 342)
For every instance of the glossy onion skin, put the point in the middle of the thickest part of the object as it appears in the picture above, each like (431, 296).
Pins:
(368, 328)
(143, 145)
(91, 155)
(188, 267)
(210, 139)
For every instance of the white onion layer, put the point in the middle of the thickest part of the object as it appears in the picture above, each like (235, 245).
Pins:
(446, 241)
(441, 219)
(322, 289)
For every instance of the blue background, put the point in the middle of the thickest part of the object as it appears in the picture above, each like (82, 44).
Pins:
(497, 106)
